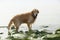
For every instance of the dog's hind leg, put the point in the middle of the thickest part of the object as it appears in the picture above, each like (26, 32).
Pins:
(17, 24)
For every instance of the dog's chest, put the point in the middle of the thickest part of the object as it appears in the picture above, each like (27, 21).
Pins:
(30, 20)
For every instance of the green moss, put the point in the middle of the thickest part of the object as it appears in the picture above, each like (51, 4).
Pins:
(55, 38)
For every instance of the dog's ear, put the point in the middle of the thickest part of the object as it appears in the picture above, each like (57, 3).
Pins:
(32, 12)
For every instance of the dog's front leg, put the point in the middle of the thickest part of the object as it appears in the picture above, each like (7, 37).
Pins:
(29, 26)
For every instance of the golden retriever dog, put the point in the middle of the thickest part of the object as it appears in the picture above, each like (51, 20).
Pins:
(27, 18)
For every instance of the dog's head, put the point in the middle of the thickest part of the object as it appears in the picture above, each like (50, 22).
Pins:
(35, 12)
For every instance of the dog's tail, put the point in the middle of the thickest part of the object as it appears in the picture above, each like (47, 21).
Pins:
(9, 24)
